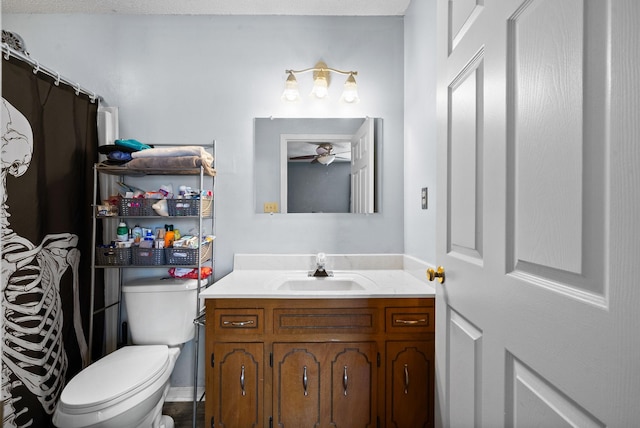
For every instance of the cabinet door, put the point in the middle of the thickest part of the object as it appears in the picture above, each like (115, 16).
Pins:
(353, 385)
(410, 383)
(237, 385)
(324, 384)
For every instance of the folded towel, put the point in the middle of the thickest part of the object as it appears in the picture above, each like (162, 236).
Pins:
(176, 151)
(132, 144)
(168, 163)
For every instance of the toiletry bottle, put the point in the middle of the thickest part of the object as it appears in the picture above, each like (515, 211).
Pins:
(122, 232)
(176, 234)
(168, 236)
(137, 234)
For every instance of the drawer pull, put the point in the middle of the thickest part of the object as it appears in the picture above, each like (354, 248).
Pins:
(406, 379)
(242, 381)
(411, 322)
(345, 380)
(238, 323)
(305, 380)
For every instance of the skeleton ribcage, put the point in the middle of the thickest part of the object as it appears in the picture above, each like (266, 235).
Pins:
(33, 348)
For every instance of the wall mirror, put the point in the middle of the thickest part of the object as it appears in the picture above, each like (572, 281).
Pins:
(316, 165)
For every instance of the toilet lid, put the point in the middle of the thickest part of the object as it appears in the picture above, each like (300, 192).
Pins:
(116, 376)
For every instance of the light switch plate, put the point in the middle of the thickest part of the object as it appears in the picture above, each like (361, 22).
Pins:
(424, 198)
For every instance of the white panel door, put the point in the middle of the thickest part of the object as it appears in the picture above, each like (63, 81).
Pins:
(362, 169)
(538, 209)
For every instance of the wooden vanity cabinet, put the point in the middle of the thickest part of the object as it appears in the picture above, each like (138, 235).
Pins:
(341, 363)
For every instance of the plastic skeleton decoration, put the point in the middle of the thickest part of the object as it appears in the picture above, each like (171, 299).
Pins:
(33, 352)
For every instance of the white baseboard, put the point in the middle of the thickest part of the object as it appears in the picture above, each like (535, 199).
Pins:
(183, 393)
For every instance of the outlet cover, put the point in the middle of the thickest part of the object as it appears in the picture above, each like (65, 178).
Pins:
(270, 207)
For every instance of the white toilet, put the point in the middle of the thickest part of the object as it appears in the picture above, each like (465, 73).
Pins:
(127, 388)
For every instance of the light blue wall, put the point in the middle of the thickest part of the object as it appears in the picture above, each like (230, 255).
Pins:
(191, 79)
(420, 129)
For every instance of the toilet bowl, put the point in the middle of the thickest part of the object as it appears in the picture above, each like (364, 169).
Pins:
(127, 388)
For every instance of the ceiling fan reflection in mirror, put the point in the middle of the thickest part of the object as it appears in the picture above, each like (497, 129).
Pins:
(326, 153)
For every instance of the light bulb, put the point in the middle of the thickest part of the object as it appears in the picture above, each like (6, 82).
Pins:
(320, 87)
(291, 92)
(350, 92)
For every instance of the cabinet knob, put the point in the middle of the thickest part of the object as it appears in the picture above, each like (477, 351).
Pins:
(438, 273)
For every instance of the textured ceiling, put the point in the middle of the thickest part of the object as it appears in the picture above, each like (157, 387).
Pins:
(212, 7)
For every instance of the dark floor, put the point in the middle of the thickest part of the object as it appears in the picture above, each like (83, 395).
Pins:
(182, 413)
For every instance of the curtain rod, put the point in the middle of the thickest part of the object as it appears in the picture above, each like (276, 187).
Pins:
(9, 52)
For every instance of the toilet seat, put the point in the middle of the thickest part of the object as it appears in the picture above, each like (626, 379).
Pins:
(114, 378)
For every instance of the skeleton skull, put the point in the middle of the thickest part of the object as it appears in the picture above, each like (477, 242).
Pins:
(17, 150)
(17, 141)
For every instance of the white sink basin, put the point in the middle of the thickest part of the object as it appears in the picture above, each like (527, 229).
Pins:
(341, 283)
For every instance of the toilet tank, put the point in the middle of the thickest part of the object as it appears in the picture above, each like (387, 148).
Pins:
(161, 311)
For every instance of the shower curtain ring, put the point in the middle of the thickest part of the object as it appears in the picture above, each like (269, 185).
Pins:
(57, 82)
(36, 68)
(77, 89)
(7, 54)
(93, 97)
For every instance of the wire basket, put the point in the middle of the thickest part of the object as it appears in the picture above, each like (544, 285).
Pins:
(147, 256)
(136, 207)
(188, 256)
(113, 256)
(190, 207)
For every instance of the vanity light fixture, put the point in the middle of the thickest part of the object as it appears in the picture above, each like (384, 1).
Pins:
(321, 81)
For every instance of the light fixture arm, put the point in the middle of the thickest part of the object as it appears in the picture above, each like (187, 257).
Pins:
(322, 69)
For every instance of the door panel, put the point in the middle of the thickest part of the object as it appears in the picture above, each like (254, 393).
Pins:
(465, 164)
(533, 399)
(362, 169)
(465, 350)
(462, 14)
(556, 150)
(547, 132)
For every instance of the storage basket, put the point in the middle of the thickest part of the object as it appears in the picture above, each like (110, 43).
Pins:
(136, 207)
(147, 256)
(190, 207)
(188, 256)
(113, 256)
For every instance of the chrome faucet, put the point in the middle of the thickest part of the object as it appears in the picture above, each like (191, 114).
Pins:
(321, 271)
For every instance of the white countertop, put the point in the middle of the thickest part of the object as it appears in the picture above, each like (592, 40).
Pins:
(257, 276)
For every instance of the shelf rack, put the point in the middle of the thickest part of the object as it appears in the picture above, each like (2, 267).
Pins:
(122, 171)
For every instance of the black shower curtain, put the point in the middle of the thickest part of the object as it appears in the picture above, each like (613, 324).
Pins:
(49, 144)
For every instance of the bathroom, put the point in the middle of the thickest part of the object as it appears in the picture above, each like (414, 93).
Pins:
(192, 79)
